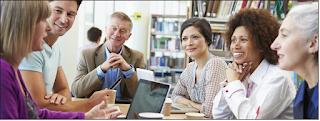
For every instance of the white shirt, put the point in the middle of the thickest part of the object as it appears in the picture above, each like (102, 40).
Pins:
(272, 96)
(90, 45)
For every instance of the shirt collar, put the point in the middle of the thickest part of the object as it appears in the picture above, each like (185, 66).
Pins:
(108, 52)
(258, 74)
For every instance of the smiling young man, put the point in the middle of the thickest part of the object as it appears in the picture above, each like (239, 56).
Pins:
(100, 67)
(42, 70)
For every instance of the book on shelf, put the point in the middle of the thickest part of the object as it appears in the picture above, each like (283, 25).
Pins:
(215, 8)
(165, 44)
(159, 25)
(166, 61)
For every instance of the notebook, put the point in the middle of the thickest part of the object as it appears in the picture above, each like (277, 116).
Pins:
(181, 108)
(149, 97)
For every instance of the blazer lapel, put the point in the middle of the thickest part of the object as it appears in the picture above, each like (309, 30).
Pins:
(100, 55)
(126, 56)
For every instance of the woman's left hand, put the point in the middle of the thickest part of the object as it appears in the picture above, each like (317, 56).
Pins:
(237, 72)
(97, 112)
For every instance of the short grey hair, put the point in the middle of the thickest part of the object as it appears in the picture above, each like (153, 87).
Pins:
(122, 16)
(305, 18)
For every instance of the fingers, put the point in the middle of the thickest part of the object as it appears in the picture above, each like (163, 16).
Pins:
(48, 96)
(53, 98)
(114, 115)
(135, 115)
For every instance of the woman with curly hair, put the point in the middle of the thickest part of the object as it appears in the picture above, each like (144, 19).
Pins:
(256, 88)
(297, 47)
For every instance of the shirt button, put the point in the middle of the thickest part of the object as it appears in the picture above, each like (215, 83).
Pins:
(226, 90)
(224, 86)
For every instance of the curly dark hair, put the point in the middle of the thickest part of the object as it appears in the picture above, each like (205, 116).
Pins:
(78, 2)
(202, 25)
(262, 27)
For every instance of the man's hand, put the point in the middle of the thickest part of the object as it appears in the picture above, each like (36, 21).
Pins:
(237, 72)
(97, 97)
(117, 61)
(56, 98)
(99, 112)
(105, 66)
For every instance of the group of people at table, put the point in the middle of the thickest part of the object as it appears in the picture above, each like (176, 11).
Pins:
(256, 85)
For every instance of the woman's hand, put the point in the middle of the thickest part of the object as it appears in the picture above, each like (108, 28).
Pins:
(56, 98)
(237, 72)
(97, 112)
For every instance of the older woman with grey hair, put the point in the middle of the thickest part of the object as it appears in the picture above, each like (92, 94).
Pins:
(297, 48)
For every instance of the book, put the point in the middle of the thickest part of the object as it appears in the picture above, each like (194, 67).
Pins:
(244, 3)
(214, 12)
(209, 8)
(220, 10)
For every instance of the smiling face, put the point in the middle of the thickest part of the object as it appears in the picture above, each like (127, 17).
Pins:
(242, 48)
(117, 32)
(63, 16)
(41, 29)
(292, 51)
(193, 42)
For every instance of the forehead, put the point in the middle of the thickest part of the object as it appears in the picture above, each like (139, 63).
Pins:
(241, 30)
(190, 30)
(287, 23)
(119, 23)
(65, 5)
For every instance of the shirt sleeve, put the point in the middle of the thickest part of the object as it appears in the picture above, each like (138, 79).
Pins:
(128, 74)
(268, 102)
(34, 62)
(221, 108)
(9, 94)
(59, 62)
(215, 73)
(100, 73)
(48, 114)
(180, 90)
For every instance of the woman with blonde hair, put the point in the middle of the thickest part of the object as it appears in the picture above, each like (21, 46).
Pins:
(23, 25)
(297, 48)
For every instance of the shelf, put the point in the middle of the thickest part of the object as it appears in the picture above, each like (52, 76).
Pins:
(217, 28)
(181, 51)
(168, 16)
(170, 34)
(165, 69)
(209, 19)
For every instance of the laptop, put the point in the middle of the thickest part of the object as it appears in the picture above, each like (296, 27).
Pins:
(149, 97)
(181, 108)
(145, 74)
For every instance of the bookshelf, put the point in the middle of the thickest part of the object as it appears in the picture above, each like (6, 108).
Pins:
(165, 53)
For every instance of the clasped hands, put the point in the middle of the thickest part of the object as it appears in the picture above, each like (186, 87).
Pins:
(115, 61)
(238, 71)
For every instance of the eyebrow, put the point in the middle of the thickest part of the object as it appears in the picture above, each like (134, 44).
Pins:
(284, 29)
(240, 36)
(63, 9)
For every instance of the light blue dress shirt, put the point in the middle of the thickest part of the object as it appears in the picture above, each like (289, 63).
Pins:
(112, 75)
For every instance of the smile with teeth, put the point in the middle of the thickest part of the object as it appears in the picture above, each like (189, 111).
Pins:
(59, 26)
(237, 54)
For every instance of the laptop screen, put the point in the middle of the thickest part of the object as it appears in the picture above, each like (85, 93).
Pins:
(149, 97)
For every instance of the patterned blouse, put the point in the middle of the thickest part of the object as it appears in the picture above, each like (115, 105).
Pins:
(206, 88)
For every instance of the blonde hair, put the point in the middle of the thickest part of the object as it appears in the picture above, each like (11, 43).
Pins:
(18, 20)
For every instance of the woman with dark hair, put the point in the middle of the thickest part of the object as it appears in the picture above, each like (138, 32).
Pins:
(256, 88)
(199, 82)
(297, 47)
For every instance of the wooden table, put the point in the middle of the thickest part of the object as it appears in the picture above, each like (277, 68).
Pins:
(125, 107)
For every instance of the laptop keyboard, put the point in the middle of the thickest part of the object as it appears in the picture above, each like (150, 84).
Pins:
(174, 108)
